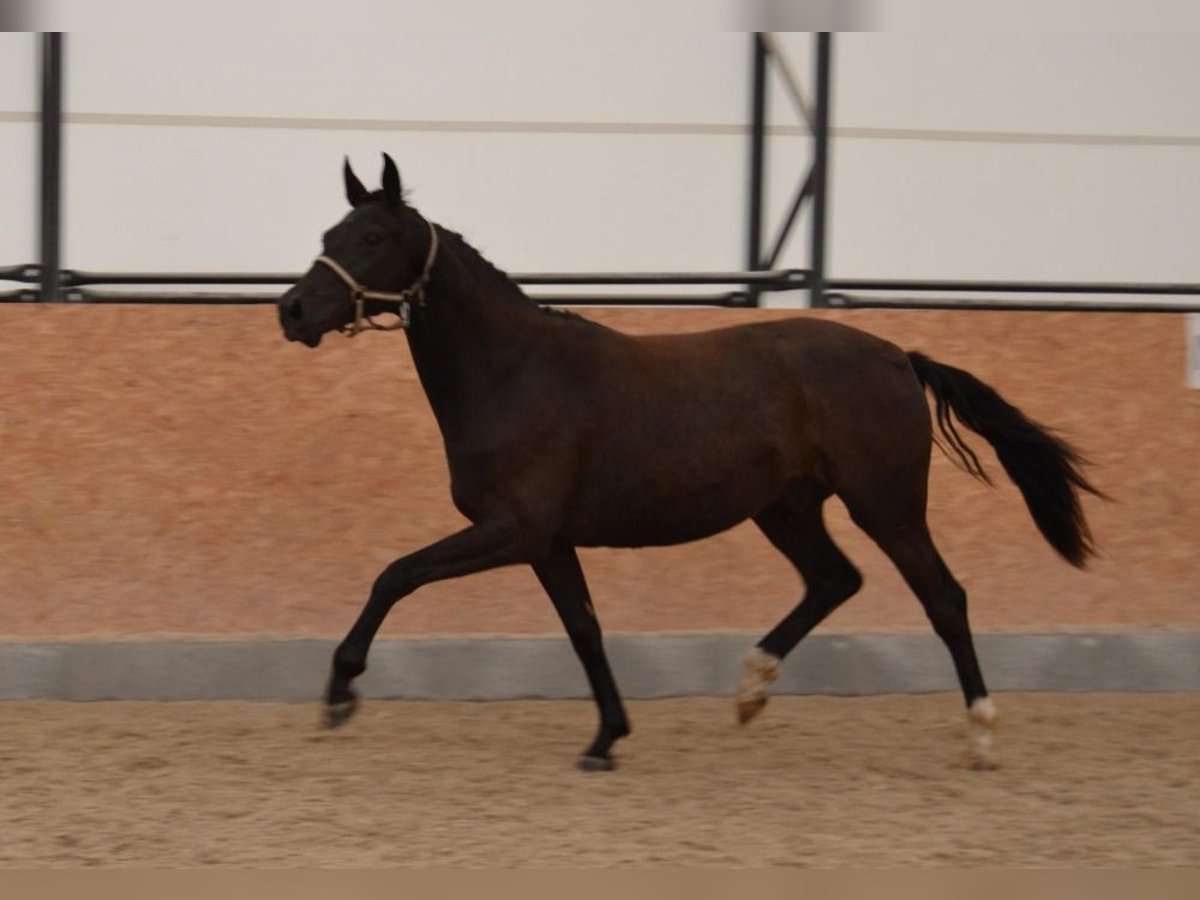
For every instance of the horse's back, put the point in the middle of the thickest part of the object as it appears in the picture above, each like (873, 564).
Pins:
(799, 339)
(835, 372)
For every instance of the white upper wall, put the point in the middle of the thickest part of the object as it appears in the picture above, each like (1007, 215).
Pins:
(485, 131)
(632, 77)
(18, 72)
(18, 149)
(1129, 84)
(1023, 156)
(1070, 156)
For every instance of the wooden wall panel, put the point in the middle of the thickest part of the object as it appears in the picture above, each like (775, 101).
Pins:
(184, 470)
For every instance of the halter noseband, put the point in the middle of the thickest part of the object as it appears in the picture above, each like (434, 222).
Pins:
(359, 293)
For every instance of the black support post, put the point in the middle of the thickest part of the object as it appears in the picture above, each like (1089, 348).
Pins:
(820, 169)
(758, 160)
(49, 251)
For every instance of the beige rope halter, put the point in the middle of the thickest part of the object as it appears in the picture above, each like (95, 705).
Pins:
(360, 293)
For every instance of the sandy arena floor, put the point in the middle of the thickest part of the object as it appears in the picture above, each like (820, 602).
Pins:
(1088, 780)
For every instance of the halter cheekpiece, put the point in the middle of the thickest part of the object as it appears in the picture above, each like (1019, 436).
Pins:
(360, 293)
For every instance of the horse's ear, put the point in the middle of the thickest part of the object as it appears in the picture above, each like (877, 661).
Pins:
(355, 192)
(391, 180)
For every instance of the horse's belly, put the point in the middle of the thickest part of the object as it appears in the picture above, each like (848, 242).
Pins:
(637, 508)
(650, 528)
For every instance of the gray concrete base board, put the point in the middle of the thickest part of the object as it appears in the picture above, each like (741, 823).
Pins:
(646, 666)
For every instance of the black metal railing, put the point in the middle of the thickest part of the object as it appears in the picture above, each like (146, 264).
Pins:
(840, 293)
(115, 287)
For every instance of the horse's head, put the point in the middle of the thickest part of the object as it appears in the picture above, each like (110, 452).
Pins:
(374, 261)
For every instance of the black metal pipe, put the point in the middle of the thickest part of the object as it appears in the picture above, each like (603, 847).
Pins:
(83, 295)
(76, 278)
(803, 192)
(728, 299)
(758, 158)
(820, 169)
(1013, 287)
(785, 279)
(960, 304)
(50, 132)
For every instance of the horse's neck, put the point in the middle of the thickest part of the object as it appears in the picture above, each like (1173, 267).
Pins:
(474, 332)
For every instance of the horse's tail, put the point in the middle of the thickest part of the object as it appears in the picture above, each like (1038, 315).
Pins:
(1046, 469)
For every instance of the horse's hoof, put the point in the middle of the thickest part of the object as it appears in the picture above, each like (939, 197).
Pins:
(748, 709)
(759, 669)
(974, 762)
(982, 765)
(596, 764)
(337, 714)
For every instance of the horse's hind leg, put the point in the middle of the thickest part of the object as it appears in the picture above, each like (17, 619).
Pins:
(894, 517)
(794, 525)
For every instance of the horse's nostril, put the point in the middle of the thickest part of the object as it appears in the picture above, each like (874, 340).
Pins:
(294, 312)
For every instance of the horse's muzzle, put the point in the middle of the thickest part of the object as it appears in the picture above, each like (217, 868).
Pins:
(291, 319)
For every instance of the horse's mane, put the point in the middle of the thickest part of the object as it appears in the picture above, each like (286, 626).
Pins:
(475, 257)
(483, 262)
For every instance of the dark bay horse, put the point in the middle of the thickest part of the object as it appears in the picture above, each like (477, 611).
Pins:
(561, 433)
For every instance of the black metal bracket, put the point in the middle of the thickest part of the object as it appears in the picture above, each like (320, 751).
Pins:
(31, 274)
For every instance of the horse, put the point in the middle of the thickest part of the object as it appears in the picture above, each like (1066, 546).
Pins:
(561, 433)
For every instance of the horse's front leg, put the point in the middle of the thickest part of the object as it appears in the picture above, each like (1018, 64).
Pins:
(486, 545)
(563, 580)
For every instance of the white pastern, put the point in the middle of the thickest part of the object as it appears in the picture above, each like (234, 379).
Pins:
(981, 724)
(759, 669)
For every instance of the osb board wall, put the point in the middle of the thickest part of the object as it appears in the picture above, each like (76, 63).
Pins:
(184, 470)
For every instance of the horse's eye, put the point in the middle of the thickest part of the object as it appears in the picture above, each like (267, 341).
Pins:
(373, 237)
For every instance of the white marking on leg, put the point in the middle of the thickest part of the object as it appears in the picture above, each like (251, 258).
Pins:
(981, 724)
(759, 669)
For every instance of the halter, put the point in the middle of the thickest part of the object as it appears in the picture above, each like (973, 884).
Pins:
(359, 293)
